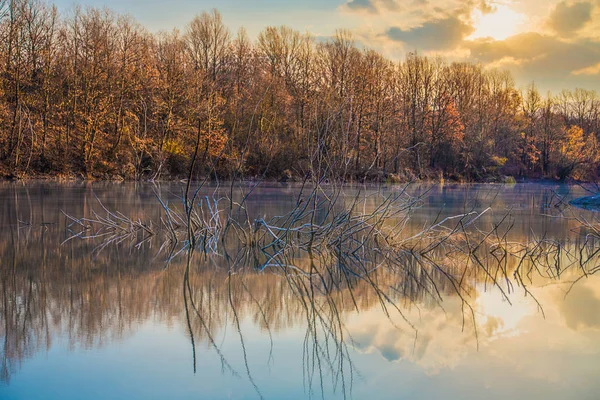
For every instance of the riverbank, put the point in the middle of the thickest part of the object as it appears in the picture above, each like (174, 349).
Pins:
(286, 177)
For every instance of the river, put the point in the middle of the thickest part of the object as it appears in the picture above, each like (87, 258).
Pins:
(83, 319)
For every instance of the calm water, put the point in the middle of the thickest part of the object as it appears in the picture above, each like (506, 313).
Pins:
(78, 322)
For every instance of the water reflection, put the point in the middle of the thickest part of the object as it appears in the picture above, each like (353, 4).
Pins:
(347, 333)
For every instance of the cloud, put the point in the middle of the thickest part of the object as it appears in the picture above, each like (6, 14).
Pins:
(427, 8)
(365, 5)
(567, 19)
(441, 34)
(558, 47)
(374, 6)
(546, 59)
(436, 25)
(591, 70)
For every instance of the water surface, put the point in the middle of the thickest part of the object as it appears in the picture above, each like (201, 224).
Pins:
(79, 322)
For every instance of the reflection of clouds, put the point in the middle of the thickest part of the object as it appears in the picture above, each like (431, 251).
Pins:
(580, 308)
(497, 317)
(439, 343)
(560, 348)
(492, 325)
(513, 337)
(101, 300)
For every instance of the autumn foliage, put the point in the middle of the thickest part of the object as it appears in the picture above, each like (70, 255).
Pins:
(94, 94)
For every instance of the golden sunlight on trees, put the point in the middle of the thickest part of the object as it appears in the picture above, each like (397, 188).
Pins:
(94, 94)
(576, 153)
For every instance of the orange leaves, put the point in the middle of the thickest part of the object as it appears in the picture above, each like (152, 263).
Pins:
(574, 142)
(530, 154)
(452, 126)
(578, 154)
(100, 92)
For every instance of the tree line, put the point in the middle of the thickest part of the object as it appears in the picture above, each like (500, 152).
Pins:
(94, 94)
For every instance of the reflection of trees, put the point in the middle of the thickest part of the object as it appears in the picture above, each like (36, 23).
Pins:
(92, 298)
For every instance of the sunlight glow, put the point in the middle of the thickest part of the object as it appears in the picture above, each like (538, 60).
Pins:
(498, 25)
(498, 317)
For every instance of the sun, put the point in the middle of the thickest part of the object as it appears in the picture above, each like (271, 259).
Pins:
(498, 25)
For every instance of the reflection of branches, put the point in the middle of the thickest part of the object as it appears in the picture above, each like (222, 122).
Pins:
(201, 224)
(187, 293)
(241, 336)
(113, 228)
(329, 246)
(331, 254)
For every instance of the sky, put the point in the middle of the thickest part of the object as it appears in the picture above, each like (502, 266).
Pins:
(554, 43)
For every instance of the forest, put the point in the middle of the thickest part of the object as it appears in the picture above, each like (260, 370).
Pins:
(94, 95)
